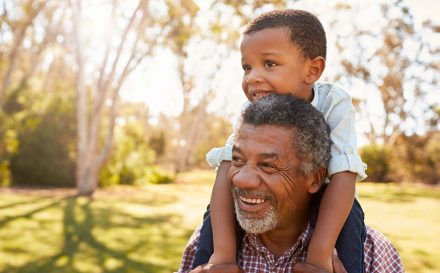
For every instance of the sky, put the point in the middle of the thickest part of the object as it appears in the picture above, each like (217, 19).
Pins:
(156, 83)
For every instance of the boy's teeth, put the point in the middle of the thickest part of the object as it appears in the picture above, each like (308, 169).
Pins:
(260, 94)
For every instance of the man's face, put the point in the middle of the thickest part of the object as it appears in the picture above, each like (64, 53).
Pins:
(268, 190)
(272, 63)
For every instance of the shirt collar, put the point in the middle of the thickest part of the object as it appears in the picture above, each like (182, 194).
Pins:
(315, 95)
(253, 243)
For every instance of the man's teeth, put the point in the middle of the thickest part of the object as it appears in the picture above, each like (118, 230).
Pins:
(252, 200)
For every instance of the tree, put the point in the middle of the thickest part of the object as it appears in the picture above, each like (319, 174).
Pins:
(119, 59)
(396, 60)
(222, 38)
(37, 16)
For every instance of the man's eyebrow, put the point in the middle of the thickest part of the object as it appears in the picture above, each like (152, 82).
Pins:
(236, 149)
(269, 155)
(262, 155)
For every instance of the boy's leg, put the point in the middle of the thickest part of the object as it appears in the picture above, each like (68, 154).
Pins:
(350, 243)
(205, 247)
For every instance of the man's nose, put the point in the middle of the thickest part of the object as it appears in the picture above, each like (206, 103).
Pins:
(246, 178)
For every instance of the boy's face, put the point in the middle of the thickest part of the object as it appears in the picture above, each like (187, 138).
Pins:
(272, 63)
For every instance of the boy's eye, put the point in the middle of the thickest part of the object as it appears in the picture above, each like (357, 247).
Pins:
(246, 67)
(269, 64)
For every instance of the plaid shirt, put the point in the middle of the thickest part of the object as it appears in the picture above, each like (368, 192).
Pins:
(380, 254)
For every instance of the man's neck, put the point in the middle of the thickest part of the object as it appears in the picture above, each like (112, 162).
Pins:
(283, 238)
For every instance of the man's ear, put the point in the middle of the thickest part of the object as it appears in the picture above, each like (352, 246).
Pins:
(315, 69)
(318, 180)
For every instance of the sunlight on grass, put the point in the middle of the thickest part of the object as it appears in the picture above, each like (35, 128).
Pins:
(409, 216)
(145, 229)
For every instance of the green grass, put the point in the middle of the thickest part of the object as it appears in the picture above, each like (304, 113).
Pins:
(410, 217)
(125, 229)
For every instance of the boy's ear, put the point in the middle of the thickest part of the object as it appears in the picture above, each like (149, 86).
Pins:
(318, 180)
(316, 67)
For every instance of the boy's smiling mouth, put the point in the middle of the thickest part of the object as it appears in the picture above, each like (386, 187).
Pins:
(258, 94)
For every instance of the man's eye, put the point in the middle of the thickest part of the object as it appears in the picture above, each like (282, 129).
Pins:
(246, 67)
(237, 161)
(269, 64)
(268, 167)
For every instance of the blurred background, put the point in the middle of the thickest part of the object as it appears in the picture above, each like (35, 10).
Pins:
(108, 107)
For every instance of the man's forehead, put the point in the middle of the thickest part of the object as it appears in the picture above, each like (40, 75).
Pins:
(273, 139)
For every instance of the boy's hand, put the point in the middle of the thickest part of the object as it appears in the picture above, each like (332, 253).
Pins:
(217, 268)
(338, 267)
(219, 259)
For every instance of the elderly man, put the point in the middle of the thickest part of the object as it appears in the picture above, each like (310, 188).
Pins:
(279, 163)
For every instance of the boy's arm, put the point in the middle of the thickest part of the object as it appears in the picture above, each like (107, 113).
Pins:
(344, 167)
(221, 206)
(222, 218)
(333, 211)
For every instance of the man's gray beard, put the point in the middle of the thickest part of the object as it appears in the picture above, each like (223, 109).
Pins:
(251, 224)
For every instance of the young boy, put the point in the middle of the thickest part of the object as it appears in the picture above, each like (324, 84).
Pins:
(284, 52)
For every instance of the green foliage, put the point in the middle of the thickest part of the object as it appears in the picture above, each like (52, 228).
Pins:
(215, 134)
(418, 158)
(130, 157)
(5, 174)
(46, 143)
(158, 143)
(378, 159)
(155, 175)
(14, 102)
(410, 158)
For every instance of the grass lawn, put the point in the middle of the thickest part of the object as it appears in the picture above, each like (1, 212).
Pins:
(127, 229)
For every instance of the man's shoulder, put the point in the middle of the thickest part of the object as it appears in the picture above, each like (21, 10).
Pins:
(380, 255)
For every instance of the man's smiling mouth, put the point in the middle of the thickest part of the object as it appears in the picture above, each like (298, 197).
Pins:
(252, 200)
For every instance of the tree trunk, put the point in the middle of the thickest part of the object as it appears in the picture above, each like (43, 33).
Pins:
(91, 154)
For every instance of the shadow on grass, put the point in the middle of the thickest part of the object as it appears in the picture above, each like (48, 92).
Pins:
(152, 196)
(80, 245)
(13, 205)
(30, 213)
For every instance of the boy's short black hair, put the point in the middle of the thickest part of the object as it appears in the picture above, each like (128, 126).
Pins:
(306, 31)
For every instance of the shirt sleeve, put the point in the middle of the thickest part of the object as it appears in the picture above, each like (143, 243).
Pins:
(190, 252)
(344, 155)
(217, 155)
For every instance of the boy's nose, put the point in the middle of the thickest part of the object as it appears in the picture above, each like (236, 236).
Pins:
(254, 76)
(246, 178)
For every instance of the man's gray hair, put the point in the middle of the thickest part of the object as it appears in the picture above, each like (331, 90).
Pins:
(311, 139)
